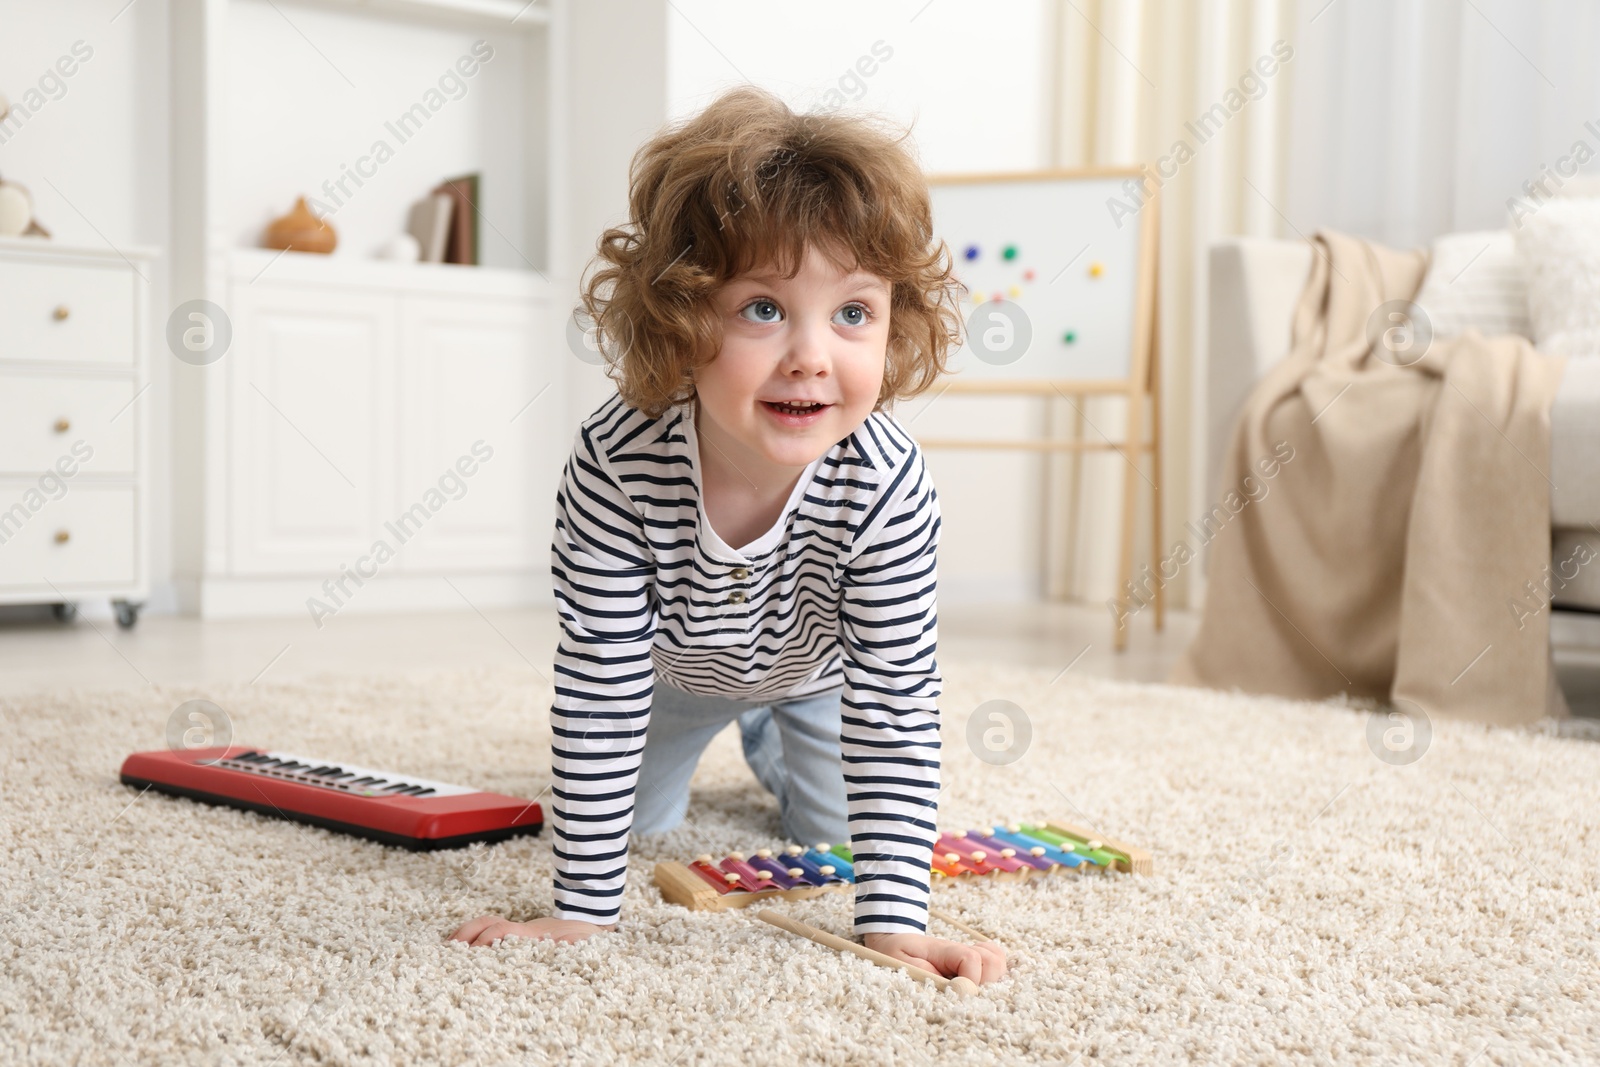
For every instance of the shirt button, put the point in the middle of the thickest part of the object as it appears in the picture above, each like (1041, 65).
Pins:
(736, 597)
(740, 572)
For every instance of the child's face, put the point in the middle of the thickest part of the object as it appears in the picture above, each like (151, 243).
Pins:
(819, 336)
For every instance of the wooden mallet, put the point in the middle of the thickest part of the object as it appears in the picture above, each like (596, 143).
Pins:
(965, 986)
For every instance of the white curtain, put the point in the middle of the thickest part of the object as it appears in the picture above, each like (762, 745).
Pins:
(1414, 118)
(1132, 80)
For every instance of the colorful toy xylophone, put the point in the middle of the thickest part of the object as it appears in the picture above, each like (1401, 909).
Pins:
(1013, 851)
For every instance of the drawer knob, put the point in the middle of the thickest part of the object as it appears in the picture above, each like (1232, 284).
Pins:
(62, 537)
(63, 425)
(60, 312)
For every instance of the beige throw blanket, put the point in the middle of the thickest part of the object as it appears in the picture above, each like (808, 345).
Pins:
(1403, 551)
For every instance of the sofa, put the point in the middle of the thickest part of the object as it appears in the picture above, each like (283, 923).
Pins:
(1254, 286)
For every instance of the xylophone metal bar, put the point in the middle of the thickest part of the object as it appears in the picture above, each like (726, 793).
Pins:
(1059, 857)
(738, 882)
(1031, 857)
(955, 855)
(990, 852)
(1124, 857)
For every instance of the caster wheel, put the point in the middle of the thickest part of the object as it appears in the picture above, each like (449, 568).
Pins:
(65, 612)
(127, 614)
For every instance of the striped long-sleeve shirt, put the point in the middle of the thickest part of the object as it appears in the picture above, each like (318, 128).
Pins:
(840, 592)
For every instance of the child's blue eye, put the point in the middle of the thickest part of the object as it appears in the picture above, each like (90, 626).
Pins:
(856, 315)
(766, 311)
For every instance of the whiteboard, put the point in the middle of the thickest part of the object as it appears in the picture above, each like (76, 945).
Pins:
(1052, 278)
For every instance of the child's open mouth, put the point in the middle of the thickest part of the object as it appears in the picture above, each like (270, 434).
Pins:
(795, 414)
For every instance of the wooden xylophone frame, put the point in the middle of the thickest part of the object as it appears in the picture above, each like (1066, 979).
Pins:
(680, 885)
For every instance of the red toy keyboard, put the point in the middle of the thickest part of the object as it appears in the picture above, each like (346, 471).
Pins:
(397, 809)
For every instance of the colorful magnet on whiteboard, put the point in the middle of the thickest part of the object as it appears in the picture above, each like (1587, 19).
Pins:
(1010, 252)
(977, 298)
(999, 297)
(972, 251)
(1027, 275)
(1016, 291)
(1096, 269)
(1069, 337)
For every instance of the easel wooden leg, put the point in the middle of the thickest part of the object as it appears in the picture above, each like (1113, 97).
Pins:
(1155, 466)
(1143, 382)
(1130, 509)
(1074, 503)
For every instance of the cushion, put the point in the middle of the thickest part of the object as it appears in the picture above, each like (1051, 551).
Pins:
(1475, 281)
(1560, 249)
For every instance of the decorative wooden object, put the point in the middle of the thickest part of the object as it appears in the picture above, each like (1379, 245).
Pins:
(302, 231)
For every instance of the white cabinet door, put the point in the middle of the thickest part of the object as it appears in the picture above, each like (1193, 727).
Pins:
(474, 394)
(311, 396)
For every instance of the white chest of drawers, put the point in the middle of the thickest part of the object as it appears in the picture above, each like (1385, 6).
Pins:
(74, 424)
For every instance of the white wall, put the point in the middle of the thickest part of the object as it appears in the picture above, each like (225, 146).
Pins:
(965, 75)
(608, 118)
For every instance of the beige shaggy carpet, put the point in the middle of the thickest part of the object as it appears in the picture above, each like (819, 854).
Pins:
(1311, 903)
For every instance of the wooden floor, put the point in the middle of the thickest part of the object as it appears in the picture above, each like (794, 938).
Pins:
(36, 652)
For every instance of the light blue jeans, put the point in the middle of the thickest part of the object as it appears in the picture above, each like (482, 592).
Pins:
(791, 745)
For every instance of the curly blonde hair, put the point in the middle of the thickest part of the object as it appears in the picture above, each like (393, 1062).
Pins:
(749, 182)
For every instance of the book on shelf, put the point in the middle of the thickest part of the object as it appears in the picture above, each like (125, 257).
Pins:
(463, 244)
(430, 225)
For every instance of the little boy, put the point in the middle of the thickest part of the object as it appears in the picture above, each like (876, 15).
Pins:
(742, 532)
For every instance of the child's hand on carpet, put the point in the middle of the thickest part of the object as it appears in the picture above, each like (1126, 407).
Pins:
(983, 962)
(486, 929)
